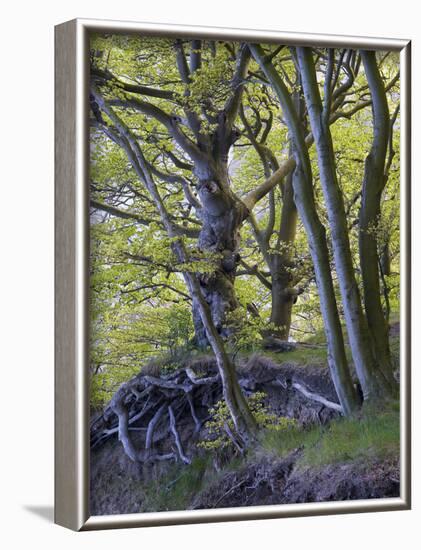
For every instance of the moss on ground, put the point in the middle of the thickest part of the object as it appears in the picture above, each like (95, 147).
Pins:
(371, 435)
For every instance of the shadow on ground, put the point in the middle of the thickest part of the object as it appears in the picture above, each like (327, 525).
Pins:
(44, 512)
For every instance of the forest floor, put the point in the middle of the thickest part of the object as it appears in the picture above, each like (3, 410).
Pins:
(321, 457)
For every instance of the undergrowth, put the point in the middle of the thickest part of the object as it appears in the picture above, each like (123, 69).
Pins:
(176, 489)
(372, 435)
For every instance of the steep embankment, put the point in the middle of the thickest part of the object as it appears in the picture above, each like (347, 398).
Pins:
(158, 420)
(285, 481)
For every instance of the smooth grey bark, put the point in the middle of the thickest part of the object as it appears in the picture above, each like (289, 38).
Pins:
(283, 291)
(281, 284)
(240, 412)
(371, 377)
(316, 235)
(370, 212)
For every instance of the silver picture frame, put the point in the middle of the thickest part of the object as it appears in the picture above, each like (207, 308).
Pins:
(72, 278)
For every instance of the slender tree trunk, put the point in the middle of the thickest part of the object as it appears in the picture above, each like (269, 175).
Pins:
(316, 235)
(240, 412)
(283, 293)
(373, 382)
(281, 312)
(373, 186)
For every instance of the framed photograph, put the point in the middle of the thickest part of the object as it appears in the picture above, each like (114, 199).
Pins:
(232, 274)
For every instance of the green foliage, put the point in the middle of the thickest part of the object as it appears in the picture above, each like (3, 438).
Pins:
(140, 304)
(246, 335)
(221, 425)
(104, 384)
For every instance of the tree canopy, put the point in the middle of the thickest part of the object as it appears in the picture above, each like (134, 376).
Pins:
(242, 195)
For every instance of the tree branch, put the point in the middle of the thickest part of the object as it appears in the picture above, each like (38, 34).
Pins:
(103, 76)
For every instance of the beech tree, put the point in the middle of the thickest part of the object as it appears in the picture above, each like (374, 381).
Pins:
(375, 379)
(276, 239)
(204, 132)
(121, 134)
(304, 200)
(375, 177)
(213, 212)
(371, 376)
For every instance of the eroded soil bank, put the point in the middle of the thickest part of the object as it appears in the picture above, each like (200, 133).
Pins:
(170, 474)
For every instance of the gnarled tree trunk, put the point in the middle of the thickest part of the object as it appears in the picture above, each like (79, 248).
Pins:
(222, 215)
(240, 412)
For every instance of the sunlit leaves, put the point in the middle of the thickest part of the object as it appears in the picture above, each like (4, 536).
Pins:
(140, 304)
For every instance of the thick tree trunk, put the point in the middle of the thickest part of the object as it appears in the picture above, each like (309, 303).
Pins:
(316, 235)
(373, 186)
(243, 419)
(222, 215)
(373, 382)
(240, 412)
(221, 212)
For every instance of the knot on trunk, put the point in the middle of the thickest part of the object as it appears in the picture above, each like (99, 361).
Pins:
(230, 260)
(213, 197)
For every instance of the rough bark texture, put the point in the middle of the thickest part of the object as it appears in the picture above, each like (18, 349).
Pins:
(222, 215)
(371, 377)
(373, 186)
(316, 234)
(238, 407)
(240, 412)
(220, 211)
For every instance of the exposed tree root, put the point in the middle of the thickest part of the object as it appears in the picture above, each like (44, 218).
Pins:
(161, 418)
(316, 397)
(173, 427)
(144, 413)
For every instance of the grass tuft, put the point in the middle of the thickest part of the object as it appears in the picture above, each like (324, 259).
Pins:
(373, 436)
(301, 357)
